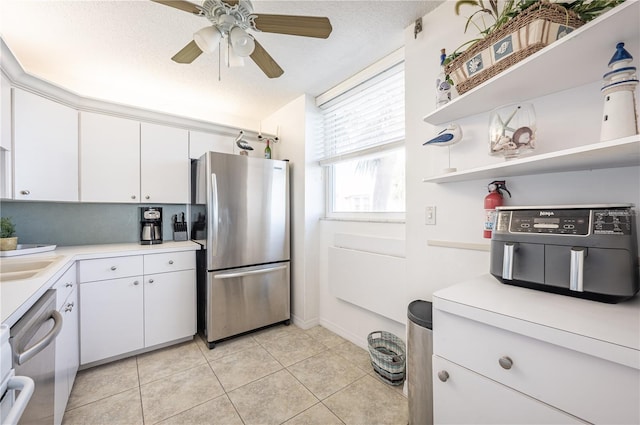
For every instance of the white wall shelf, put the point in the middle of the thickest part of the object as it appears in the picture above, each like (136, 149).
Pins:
(623, 152)
(577, 59)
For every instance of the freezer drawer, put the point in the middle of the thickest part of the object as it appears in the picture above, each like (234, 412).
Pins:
(243, 299)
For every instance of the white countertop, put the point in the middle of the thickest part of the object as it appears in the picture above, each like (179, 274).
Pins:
(17, 296)
(610, 331)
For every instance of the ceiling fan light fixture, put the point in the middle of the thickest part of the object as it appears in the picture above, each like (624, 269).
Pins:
(207, 38)
(241, 42)
(230, 58)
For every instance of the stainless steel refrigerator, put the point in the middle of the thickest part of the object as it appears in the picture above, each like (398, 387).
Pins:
(240, 214)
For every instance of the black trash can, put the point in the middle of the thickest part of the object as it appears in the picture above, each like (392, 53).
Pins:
(419, 370)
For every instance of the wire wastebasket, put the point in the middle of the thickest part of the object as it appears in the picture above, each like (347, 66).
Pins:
(388, 356)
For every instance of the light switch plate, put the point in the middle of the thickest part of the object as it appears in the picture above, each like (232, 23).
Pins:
(430, 215)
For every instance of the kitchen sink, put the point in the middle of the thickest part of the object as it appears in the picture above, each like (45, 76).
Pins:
(23, 268)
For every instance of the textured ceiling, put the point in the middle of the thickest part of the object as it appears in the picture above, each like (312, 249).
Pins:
(120, 51)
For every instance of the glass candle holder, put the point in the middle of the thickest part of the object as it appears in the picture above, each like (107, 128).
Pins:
(512, 130)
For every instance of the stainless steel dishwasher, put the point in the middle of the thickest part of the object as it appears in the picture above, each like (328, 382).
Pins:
(33, 345)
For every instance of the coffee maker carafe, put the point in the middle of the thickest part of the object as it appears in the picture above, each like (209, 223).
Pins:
(150, 225)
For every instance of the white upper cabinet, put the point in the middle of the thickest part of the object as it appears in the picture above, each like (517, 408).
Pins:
(164, 164)
(200, 143)
(109, 159)
(45, 149)
(5, 113)
(5, 138)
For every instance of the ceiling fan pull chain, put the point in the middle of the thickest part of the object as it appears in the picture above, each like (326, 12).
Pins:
(219, 62)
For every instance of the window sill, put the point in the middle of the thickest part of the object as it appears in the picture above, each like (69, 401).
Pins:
(366, 220)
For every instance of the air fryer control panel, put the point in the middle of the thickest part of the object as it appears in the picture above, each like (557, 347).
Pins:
(574, 222)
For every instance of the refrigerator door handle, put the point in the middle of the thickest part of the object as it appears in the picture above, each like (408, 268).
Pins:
(248, 273)
(213, 216)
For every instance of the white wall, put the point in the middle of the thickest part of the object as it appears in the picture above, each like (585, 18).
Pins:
(297, 122)
(567, 119)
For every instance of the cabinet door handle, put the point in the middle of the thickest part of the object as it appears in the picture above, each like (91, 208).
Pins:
(68, 285)
(25, 192)
(150, 280)
(136, 283)
(113, 268)
(443, 375)
(505, 362)
(147, 197)
(170, 261)
(133, 196)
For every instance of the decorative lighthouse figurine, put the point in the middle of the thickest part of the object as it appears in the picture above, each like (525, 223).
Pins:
(620, 116)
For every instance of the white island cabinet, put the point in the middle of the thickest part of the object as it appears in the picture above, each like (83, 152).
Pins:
(504, 354)
(45, 149)
(132, 303)
(109, 159)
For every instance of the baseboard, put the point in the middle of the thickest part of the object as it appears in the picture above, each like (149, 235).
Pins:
(339, 330)
(304, 324)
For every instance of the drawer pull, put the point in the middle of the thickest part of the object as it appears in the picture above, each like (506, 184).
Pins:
(136, 283)
(170, 261)
(443, 375)
(505, 362)
(150, 280)
(68, 285)
(113, 268)
(133, 196)
(25, 192)
(147, 197)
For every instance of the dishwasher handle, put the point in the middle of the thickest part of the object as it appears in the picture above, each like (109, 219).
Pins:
(26, 386)
(248, 273)
(21, 357)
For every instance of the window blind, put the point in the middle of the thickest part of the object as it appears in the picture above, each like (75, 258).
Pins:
(369, 117)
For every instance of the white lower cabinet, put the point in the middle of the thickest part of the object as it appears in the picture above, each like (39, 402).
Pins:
(148, 307)
(111, 317)
(67, 342)
(169, 306)
(461, 396)
(501, 358)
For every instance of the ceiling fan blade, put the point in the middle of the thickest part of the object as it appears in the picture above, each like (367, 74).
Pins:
(188, 54)
(182, 5)
(266, 62)
(306, 26)
(230, 2)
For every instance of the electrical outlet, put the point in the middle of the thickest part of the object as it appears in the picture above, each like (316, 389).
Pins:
(430, 215)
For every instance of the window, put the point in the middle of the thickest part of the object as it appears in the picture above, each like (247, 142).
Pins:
(363, 148)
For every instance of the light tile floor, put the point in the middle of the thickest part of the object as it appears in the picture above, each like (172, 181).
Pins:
(280, 375)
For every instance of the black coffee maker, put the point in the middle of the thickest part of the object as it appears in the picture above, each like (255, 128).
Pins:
(150, 225)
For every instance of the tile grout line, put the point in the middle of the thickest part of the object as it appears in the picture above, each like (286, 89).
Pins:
(140, 391)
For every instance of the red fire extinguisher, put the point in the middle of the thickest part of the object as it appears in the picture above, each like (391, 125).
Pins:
(491, 201)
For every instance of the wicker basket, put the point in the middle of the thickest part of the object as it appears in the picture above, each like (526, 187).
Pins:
(388, 356)
(536, 27)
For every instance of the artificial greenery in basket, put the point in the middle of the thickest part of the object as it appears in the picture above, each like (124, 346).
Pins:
(8, 239)
(519, 28)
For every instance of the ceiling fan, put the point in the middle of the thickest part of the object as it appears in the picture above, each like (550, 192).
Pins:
(230, 20)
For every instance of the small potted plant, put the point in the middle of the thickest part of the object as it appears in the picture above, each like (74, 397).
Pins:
(8, 239)
(515, 30)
